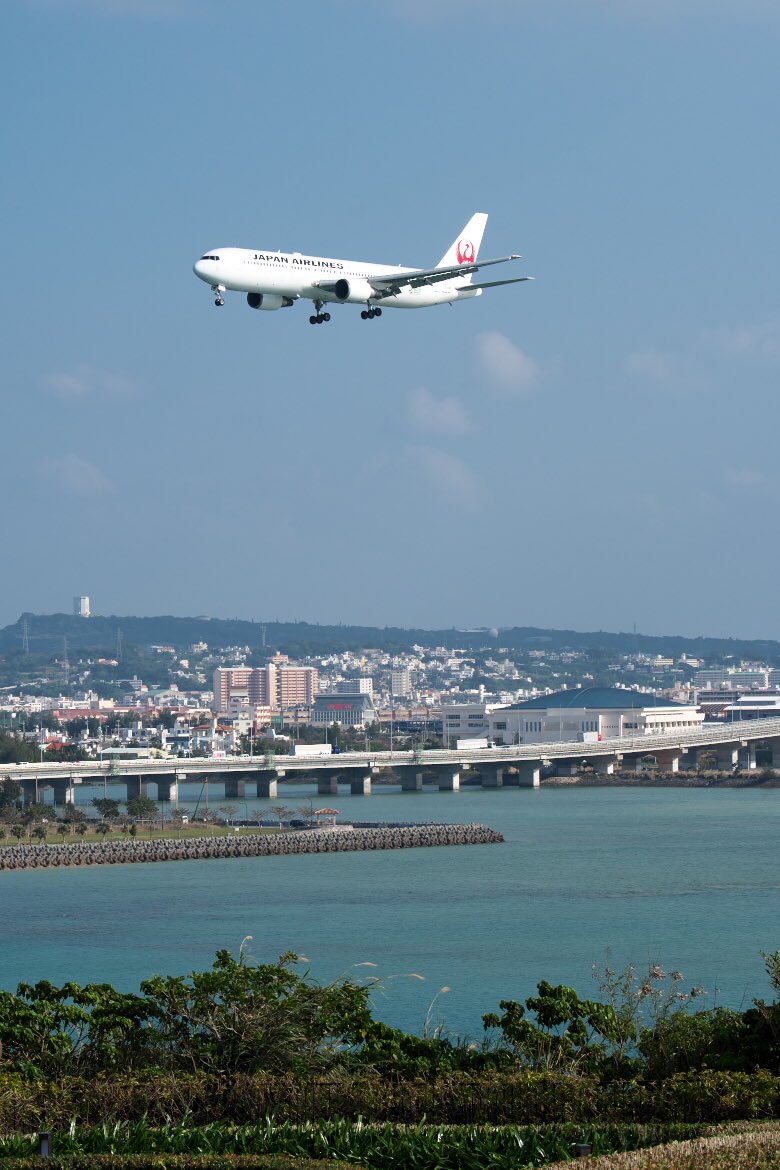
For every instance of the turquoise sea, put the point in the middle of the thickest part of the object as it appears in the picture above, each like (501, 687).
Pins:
(685, 877)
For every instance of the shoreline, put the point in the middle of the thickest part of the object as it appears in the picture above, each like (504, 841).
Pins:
(667, 780)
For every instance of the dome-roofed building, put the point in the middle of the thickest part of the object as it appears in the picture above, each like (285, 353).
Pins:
(590, 713)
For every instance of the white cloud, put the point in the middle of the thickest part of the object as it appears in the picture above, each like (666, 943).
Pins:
(749, 479)
(85, 382)
(505, 363)
(762, 340)
(448, 475)
(76, 476)
(440, 415)
(665, 370)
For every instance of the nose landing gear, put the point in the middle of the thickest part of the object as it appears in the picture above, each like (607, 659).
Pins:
(369, 314)
(218, 290)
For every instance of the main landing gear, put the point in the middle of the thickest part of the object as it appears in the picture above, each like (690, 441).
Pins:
(319, 317)
(369, 314)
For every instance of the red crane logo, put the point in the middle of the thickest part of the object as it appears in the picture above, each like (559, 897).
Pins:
(466, 252)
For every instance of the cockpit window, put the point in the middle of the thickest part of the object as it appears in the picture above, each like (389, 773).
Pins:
(209, 257)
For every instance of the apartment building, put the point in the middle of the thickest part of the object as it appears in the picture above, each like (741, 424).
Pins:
(274, 686)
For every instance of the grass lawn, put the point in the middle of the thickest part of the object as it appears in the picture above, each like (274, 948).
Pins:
(145, 833)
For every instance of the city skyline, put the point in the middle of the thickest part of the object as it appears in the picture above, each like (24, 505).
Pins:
(591, 451)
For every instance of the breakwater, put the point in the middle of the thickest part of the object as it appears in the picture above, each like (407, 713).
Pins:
(248, 845)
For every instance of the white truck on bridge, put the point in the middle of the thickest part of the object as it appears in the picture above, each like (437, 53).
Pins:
(311, 750)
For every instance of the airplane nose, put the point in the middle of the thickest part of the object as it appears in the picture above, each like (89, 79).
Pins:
(197, 268)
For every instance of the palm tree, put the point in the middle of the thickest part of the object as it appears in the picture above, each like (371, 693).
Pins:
(81, 828)
(18, 830)
(63, 828)
(39, 832)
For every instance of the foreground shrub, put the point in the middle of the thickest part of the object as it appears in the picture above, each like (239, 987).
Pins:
(496, 1098)
(385, 1147)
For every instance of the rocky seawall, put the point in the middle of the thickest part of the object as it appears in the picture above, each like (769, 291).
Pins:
(248, 845)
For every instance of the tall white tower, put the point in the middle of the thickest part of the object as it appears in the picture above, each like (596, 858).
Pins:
(81, 607)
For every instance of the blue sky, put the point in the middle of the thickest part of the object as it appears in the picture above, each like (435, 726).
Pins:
(592, 450)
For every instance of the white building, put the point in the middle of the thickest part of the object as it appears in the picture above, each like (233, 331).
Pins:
(355, 686)
(352, 710)
(81, 607)
(592, 712)
(401, 682)
(465, 721)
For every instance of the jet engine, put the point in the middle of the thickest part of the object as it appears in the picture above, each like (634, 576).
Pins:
(268, 301)
(356, 292)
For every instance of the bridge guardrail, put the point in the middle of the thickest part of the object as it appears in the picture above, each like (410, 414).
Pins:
(708, 734)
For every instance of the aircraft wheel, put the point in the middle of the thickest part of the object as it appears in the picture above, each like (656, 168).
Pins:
(377, 312)
(326, 316)
(312, 320)
(364, 314)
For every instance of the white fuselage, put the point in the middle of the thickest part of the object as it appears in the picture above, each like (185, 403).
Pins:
(291, 274)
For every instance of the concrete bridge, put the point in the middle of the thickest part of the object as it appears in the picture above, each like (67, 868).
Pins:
(734, 745)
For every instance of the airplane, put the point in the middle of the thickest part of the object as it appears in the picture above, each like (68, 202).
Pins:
(275, 280)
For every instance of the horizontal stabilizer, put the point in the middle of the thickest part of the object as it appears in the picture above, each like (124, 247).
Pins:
(394, 282)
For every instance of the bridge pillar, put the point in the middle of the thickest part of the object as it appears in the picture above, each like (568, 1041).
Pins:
(775, 746)
(449, 779)
(168, 788)
(32, 791)
(63, 791)
(327, 784)
(235, 787)
(604, 766)
(411, 779)
(747, 757)
(267, 786)
(728, 756)
(529, 774)
(668, 761)
(689, 760)
(492, 775)
(136, 786)
(361, 786)
(568, 767)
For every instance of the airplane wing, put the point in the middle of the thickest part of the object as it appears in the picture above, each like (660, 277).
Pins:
(496, 283)
(393, 282)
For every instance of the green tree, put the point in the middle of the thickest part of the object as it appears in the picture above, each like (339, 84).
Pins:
(10, 791)
(103, 829)
(63, 828)
(18, 830)
(40, 832)
(239, 1017)
(143, 808)
(282, 813)
(106, 807)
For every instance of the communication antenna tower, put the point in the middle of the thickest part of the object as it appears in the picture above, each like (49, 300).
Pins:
(262, 636)
(118, 644)
(65, 662)
(25, 637)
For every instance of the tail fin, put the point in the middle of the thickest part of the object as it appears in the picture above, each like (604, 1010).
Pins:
(465, 249)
